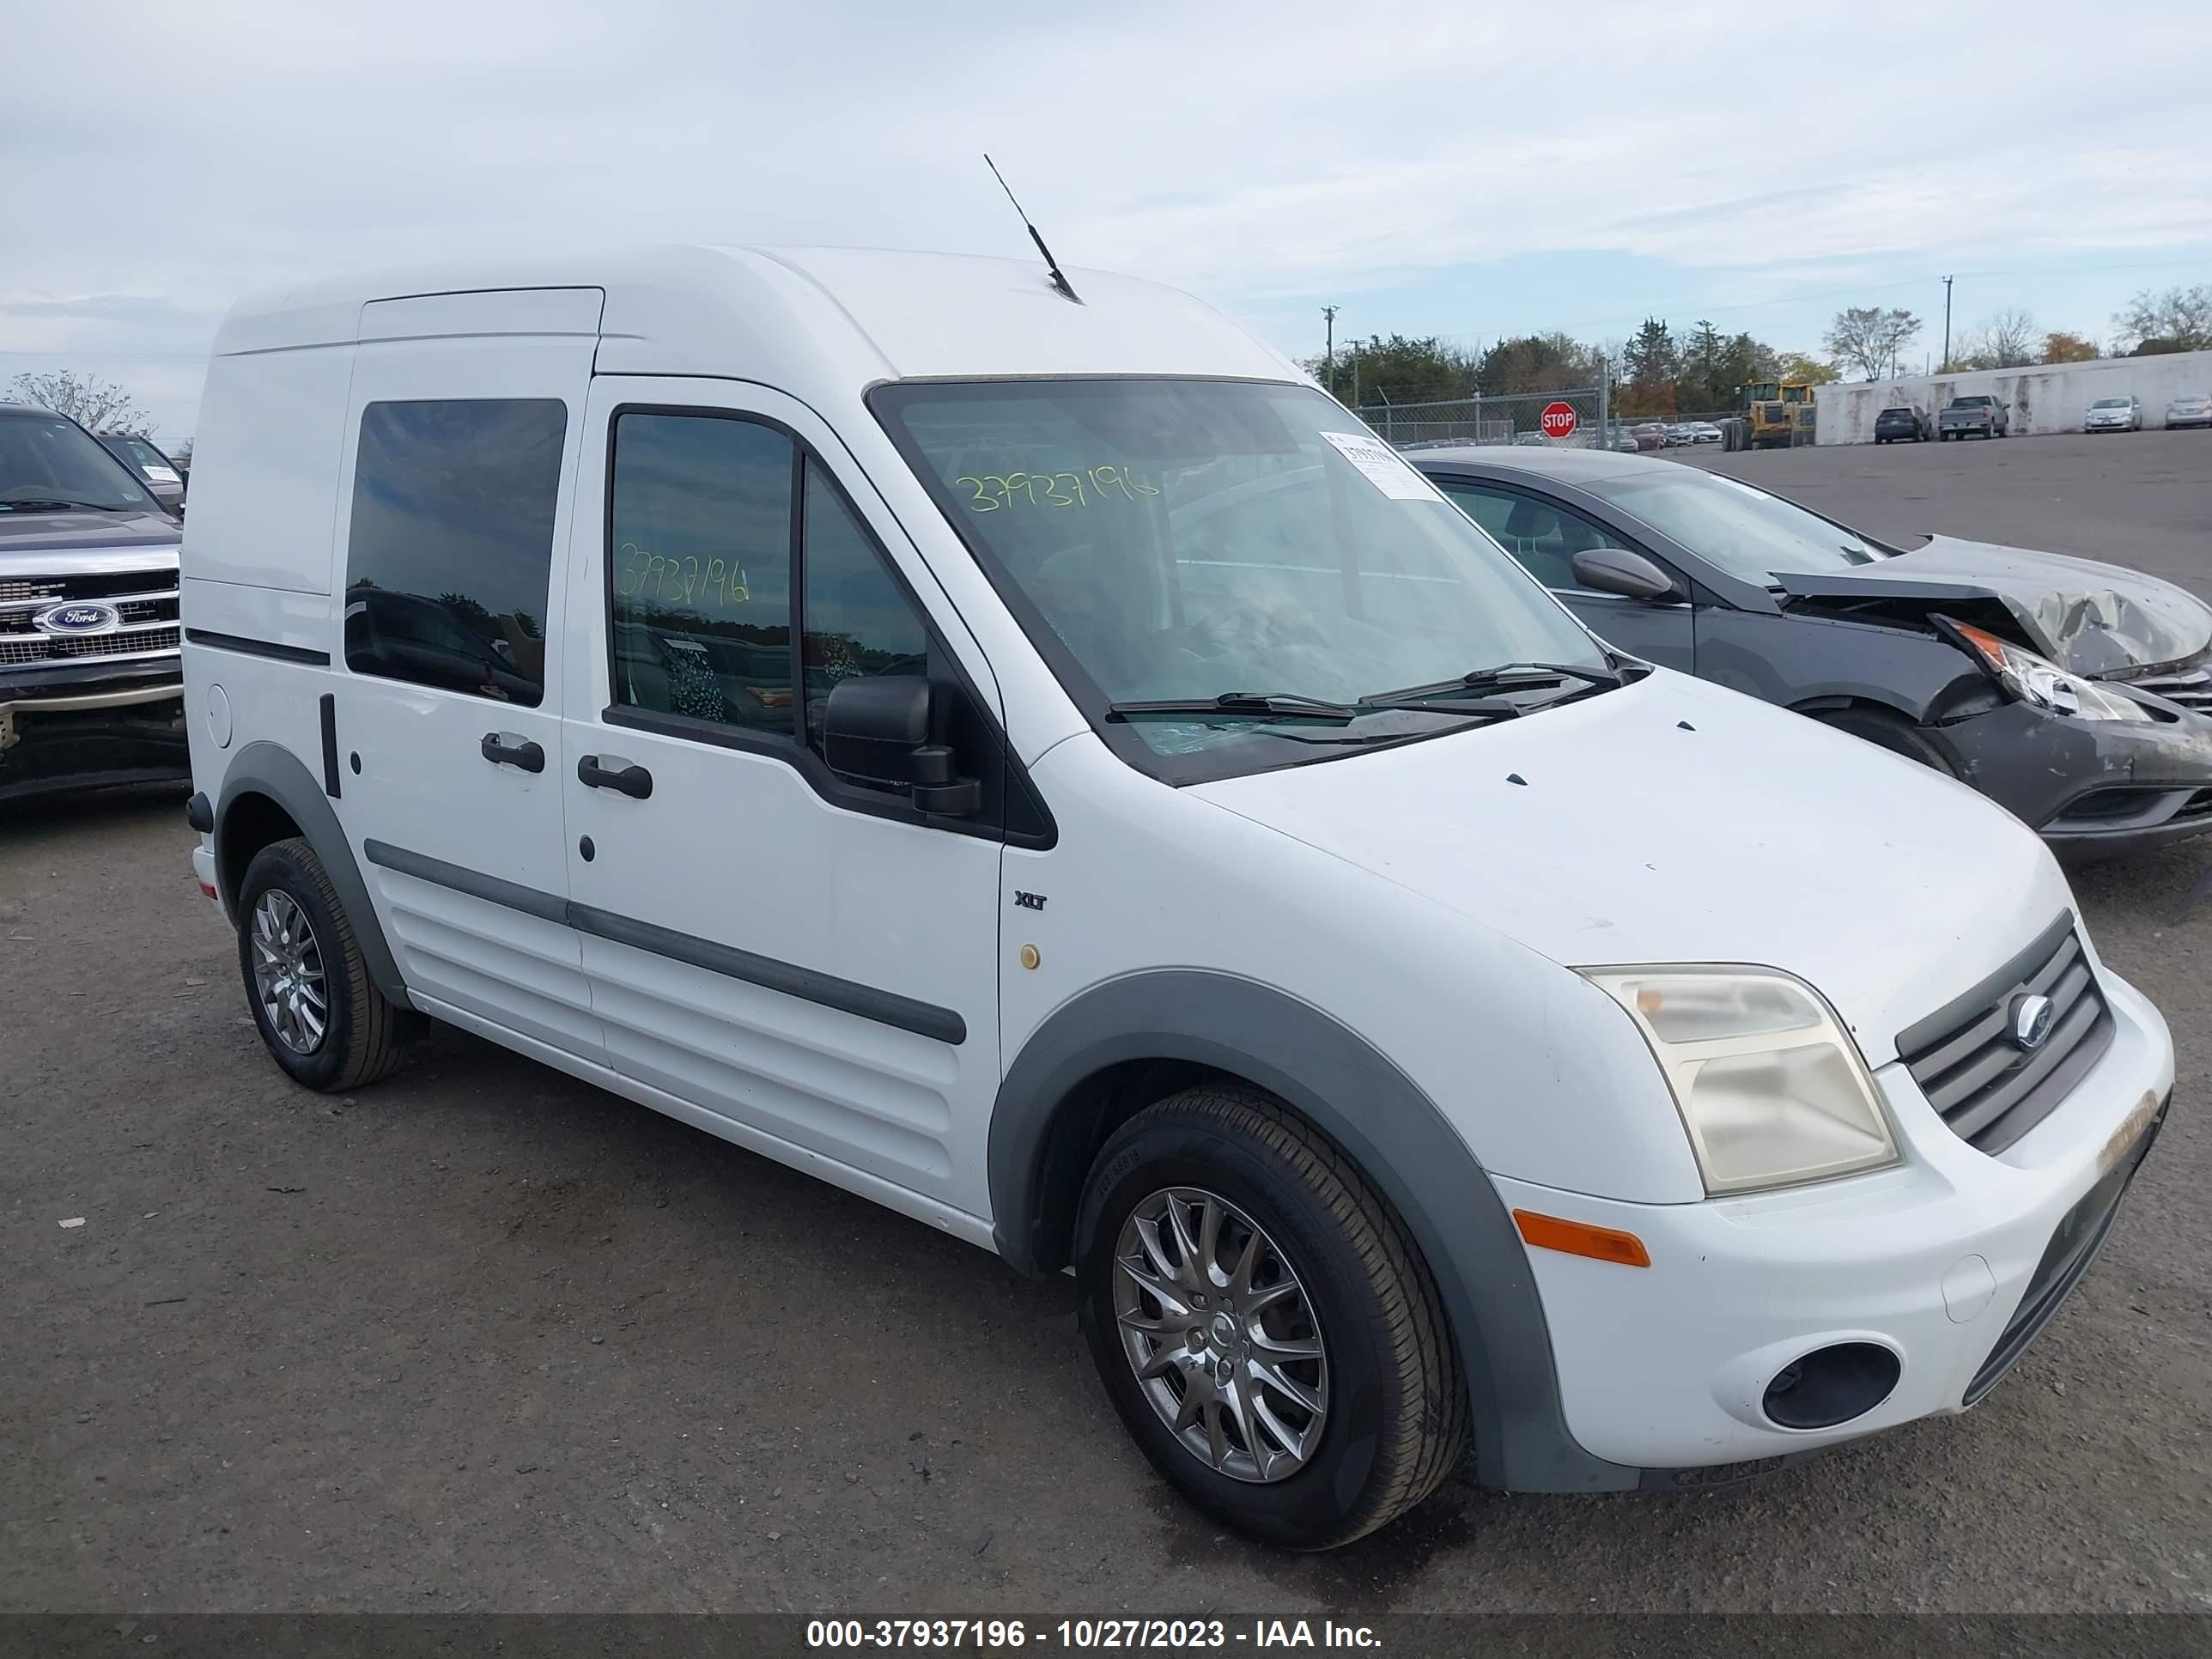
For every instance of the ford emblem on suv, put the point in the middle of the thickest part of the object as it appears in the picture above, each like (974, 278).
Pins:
(77, 618)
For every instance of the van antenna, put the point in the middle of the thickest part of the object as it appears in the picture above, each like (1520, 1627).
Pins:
(1051, 264)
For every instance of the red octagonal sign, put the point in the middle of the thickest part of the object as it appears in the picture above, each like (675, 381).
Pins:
(1559, 420)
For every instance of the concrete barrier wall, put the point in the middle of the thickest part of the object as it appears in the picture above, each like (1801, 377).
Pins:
(2047, 397)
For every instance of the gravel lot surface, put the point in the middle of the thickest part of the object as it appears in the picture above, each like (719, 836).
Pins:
(483, 1338)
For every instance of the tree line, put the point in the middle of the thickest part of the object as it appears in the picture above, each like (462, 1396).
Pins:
(1655, 374)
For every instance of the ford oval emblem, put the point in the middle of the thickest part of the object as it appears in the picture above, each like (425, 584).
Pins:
(77, 616)
(2032, 1016)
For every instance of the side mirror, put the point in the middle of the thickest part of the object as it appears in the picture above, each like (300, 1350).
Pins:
(876, 731)
(1617, 570)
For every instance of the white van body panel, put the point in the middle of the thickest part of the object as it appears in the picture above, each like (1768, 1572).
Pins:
(1147, 877)
(736, 848)
(425, 786)
(264, 514)
(1604, 852)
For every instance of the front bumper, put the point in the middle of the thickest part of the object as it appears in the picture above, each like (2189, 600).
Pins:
(2092, 789)
(91, 726)
(1952, 1261)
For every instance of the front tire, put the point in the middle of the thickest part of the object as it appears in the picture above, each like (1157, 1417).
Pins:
(1262, 1322)
(319, 1014)
(1893, 731)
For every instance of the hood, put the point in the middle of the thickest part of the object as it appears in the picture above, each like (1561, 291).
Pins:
(52, 544)
(2089, 618)
(1604, 832)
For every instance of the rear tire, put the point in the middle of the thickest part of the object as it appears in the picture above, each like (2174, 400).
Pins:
(1331, 1270)
(1893, 731)
(319, 1014)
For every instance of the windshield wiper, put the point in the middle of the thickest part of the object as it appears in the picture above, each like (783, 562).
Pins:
(1244, 702)
(1291, 705)
(51, 503)
(1503, 676)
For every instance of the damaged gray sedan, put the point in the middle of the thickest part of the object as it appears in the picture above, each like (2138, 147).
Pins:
(2076, 694)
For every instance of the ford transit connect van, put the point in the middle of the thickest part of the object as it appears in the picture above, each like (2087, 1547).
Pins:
(1033, 760)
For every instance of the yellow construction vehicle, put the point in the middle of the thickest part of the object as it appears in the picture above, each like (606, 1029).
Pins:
(1777, 413)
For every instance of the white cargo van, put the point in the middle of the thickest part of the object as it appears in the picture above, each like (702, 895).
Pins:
(1037, 762)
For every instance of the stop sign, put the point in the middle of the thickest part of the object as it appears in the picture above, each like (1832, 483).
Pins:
(1557, 419)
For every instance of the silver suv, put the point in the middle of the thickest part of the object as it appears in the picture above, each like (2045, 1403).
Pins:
(90, 689)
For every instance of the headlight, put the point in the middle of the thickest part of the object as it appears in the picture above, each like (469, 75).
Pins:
(2032, 679)
(1770, 1086)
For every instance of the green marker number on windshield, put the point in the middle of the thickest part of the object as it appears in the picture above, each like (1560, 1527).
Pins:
(991, 492)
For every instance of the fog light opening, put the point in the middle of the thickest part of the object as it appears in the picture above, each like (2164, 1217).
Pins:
(1831, 1385)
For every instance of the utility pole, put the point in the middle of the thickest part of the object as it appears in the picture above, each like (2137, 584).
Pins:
(1328, 352)
(1946, 322)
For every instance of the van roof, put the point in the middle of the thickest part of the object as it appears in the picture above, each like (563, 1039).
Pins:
(787, 315)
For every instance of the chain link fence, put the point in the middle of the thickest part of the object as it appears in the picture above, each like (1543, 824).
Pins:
(1517, 418)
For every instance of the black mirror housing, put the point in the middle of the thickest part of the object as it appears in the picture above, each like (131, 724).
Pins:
(877, 730)
(873, 728)
(1617, 570)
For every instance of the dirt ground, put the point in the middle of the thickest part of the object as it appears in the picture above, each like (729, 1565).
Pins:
(482, 1338)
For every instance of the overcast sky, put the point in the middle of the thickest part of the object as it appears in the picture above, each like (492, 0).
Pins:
(1470, 169)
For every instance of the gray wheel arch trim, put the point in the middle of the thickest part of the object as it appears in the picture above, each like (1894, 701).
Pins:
(1357, 1096)
(271, 769)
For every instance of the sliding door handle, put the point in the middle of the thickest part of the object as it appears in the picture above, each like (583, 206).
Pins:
(632, 780)
(507, 748)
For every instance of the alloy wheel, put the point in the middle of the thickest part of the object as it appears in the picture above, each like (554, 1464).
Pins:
(1221, 1335)
(288, 973)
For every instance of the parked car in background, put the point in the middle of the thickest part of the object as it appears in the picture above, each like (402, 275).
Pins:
(1677, 433)
(1214, 867)
(2113, 414)
(155, 471)
(1620, 439)
(1704, 431)
(1649, 435)
(1980, 416)
(1902, 422)
(90, 691)
(2191, 408)
(2077, 694)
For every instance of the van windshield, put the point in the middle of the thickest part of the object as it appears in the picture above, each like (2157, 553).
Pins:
(1192, 542)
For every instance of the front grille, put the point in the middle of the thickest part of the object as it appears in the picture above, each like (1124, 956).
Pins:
(145, 603)
(17, 649)
(2189, 686)
(1990, 1091)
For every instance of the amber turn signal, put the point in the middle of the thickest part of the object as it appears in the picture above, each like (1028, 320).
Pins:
(1579, 1238)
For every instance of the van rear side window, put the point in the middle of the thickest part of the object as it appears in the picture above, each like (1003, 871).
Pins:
(450, 553)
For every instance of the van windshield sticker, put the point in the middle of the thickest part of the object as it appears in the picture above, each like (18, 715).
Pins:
(1103, 483)
(1380, 467)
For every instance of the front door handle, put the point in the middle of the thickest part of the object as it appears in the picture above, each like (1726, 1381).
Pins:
(507, 749)
(632, 780)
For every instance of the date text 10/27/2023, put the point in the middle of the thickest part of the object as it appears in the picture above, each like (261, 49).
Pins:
(1006, 1635)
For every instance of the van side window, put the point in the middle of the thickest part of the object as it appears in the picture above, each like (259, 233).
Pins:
(858, 620)
(700, 563)
(450, 550)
